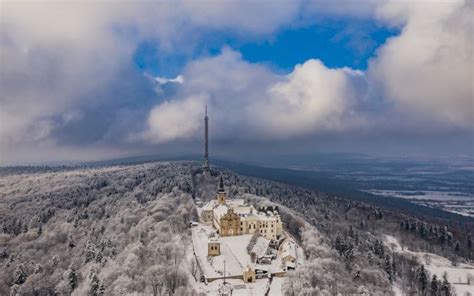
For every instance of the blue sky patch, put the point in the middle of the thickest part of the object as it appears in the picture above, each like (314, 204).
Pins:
(350, 42)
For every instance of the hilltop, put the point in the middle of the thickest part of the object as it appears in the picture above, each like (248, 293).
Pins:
(125, 229)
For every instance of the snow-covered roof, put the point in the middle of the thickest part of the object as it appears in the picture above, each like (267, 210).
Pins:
(235, 202)
(220, 211)
(213, 240)
(243, 210)
(266, 218)
(209, 206)
(261, 246)
(248, 268)
(265, 267)
(288, 248)
(250, 217)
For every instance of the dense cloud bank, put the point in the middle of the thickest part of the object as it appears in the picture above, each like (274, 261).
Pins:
(69, 89)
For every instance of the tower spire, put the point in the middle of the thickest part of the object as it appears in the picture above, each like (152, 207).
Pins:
(221, 185)
(206, 143)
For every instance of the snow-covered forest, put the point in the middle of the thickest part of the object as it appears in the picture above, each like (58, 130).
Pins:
(125, 229)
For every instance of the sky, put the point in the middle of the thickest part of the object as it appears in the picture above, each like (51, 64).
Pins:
(95, 80)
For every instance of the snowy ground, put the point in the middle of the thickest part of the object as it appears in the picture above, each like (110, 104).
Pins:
(239, 288)
(461, 203)
(235, 259)
(234, 253)
(425, 194)
(435, 264)
(276, 286)
(397, 290)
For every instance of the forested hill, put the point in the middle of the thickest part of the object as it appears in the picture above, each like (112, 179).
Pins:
(123, 229)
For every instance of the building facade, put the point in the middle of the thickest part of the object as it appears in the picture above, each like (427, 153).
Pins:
(229, 224)
(213, 247)
(235, 217)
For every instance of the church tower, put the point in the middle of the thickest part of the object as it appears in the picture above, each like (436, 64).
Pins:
(221, 194)
(206, 144)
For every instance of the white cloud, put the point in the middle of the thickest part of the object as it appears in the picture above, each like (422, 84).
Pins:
(163, 80)
(427, 71)
(249, 101)
(59, 60)
(53, 61)
(310, 100)
(174, 120)
(352, 8)
(255, 17)
(420, 80)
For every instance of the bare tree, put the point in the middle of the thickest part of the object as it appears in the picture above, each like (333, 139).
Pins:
(154, 277)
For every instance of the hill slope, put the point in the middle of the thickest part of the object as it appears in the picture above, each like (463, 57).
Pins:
(124, 229)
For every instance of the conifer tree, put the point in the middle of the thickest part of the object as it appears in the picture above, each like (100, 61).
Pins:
(70, 242)
(95, 285)
(457, 247)
(101, 291)
(422, 279)
(434, 286)
(72, 278)
(445, 286)
(388, 267)
(20, 275)
(469, 245)
(90, 251)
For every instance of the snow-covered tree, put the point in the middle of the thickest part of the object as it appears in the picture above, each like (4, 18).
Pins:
(20, 275)
(388, 267)
(72, 278)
